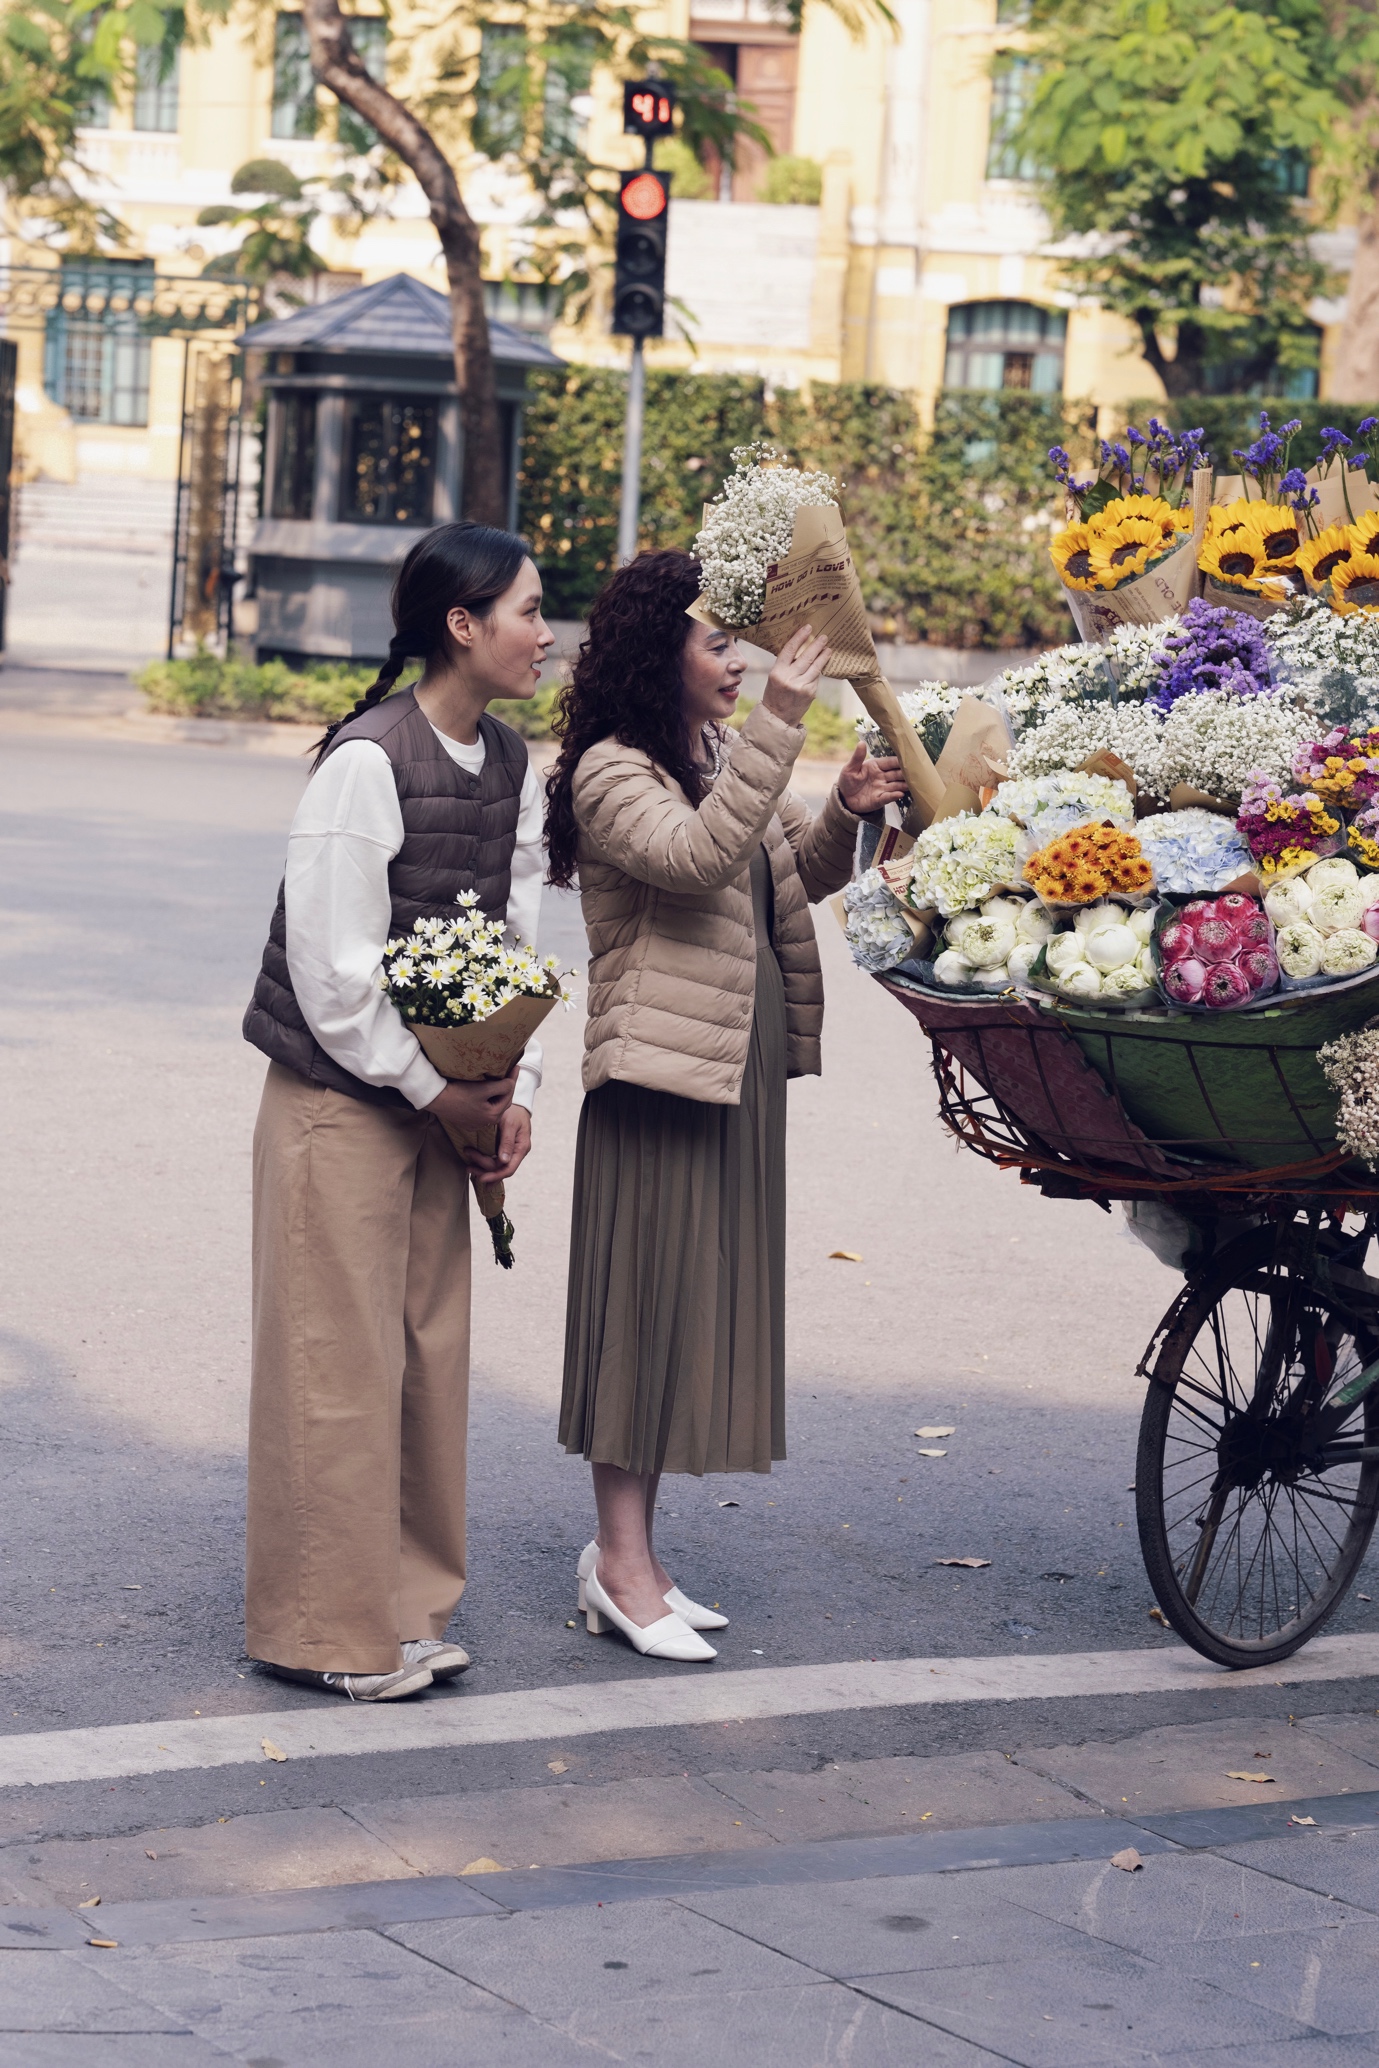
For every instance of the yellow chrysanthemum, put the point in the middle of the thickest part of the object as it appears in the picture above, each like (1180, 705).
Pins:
(1152, 508)
(1121, 551)
(1071, 551)
(1321, 556)
(1355, 585)
(1275, 527)
(1233, 558)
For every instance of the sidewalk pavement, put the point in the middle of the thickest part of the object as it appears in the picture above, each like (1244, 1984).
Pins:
(938, 1913)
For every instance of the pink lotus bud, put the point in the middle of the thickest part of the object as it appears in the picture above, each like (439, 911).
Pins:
(1254, 931)
(1217, 939)
(1183, 981)
(1175, 942)
(1225, 986)
(1235, 905)
(1370, 922)
(1259, 966)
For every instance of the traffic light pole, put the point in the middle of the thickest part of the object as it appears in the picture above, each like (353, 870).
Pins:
(630, 508)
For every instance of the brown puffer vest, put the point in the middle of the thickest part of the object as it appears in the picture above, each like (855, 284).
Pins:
(459, 831)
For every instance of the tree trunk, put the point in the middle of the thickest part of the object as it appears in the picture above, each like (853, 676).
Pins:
(338, 66)
(1355, 376)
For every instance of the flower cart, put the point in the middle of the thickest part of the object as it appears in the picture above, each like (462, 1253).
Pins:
(1257, 1477)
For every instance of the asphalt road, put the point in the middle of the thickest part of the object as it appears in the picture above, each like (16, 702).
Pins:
(137, 887)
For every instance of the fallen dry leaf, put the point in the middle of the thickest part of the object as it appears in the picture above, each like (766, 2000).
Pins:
(730, 1504)
(1156, 1615)
(974, 1563)
(556, 1766)
(1302, 1820)
(572, 1624)
(148, 1855)
(483, 1865)
(925, 1452)
(846, 1256)
(89, 1904)
(270, 1750)
(935, 1429)
(102, 1942)
(1259, 1779)
(1127, 1858)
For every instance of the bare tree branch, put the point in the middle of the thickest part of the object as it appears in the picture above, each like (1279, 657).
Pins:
(339, 67)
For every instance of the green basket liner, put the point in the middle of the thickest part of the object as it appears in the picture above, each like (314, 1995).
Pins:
(1244, 1089)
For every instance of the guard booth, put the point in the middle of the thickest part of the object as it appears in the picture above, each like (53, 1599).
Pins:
(361, 454)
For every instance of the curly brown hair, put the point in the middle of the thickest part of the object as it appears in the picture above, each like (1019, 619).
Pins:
(626, 686)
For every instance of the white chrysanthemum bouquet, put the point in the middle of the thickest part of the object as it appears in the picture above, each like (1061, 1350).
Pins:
(473, 1003)
(774, 556)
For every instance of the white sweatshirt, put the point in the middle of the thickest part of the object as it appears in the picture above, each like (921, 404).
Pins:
(339, 915)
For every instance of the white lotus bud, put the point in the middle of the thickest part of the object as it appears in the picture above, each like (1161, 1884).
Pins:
(1080, 980)
(1111, 946)
(952, 968)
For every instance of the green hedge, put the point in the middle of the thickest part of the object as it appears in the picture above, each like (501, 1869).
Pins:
(204, 686)
(1231, 422)
(949, 530)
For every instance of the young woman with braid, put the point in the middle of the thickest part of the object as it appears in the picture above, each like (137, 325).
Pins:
(356, 1552)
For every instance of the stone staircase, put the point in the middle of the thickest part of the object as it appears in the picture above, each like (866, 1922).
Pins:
(113, 514)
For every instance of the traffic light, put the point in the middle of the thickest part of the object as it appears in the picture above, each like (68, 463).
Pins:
(639, 280)
(648, 108)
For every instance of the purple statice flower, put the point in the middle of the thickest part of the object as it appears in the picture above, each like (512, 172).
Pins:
(1356, 462)
(1366, 425)
(1333, 441)
(1213, 648)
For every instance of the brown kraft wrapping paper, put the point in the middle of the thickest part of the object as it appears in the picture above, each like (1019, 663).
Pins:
(484, 1048)
(816, 584)
(1164, 592)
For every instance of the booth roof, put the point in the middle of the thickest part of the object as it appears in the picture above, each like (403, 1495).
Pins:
(398, 315)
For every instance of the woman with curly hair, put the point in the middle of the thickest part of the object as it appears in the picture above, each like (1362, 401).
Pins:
(696, 872)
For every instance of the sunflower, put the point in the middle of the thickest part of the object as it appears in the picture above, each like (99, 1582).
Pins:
(1364, 531)
(1233, 559)
(1152, 508)
(1071, 551)
(1274, 528)
(1355, 585)
(1225, 519)
(1327, 551)
(1121, 551)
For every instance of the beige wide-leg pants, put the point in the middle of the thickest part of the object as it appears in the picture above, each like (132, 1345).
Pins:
(360, 1392)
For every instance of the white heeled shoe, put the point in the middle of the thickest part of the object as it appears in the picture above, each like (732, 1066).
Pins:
(692, 1612)
(667, 1638)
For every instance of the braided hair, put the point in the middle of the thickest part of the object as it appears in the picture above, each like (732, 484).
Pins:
(453, 566)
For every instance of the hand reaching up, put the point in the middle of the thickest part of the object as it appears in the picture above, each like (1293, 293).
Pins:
(868, 784)
(791, 684)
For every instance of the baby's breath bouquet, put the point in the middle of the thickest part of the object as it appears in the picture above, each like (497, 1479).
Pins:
(773, 557)
(473, 1001)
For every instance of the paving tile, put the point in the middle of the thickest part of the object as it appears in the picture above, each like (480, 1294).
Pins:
(548, 1827)
(278, 1850)
(1173, 1898)
(878, 1927)
(1104, 2005)
(945, 1794)
(368, 1905)
(1320, 1977)
(824, 2026)
(39, 1931)
(106, 2050)
(1319, 2050)
(1357, 1735)
(336, 2000)
(557, 1962)
(1185, 1766)
(67, 1992)
(1343, 1864)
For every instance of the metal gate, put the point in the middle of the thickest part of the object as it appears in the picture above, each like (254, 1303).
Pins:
(206, 518)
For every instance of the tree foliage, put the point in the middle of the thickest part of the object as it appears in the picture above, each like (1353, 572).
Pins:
(1169, 136)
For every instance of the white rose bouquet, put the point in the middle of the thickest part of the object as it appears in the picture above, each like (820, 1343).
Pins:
(473, 1003)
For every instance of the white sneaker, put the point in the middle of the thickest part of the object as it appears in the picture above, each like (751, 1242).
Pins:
(361, 1687)
(445, 1660)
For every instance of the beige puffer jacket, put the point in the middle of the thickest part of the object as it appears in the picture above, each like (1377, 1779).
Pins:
(667, 899)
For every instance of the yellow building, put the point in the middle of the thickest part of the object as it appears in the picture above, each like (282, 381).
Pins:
(922, 264)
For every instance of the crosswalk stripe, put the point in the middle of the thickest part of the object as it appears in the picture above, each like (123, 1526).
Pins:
(333, 1729)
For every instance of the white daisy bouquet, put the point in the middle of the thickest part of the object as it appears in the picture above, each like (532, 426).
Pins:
(774, 556)
(930, 707)
(473, 1001)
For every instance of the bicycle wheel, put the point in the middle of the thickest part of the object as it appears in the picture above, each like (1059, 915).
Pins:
(1257, 1483)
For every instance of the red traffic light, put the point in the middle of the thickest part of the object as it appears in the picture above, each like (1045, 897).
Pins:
(652, 108)
(648, 108)
(644, 198)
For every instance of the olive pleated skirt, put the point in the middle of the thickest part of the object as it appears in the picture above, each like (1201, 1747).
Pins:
(675, 1336)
